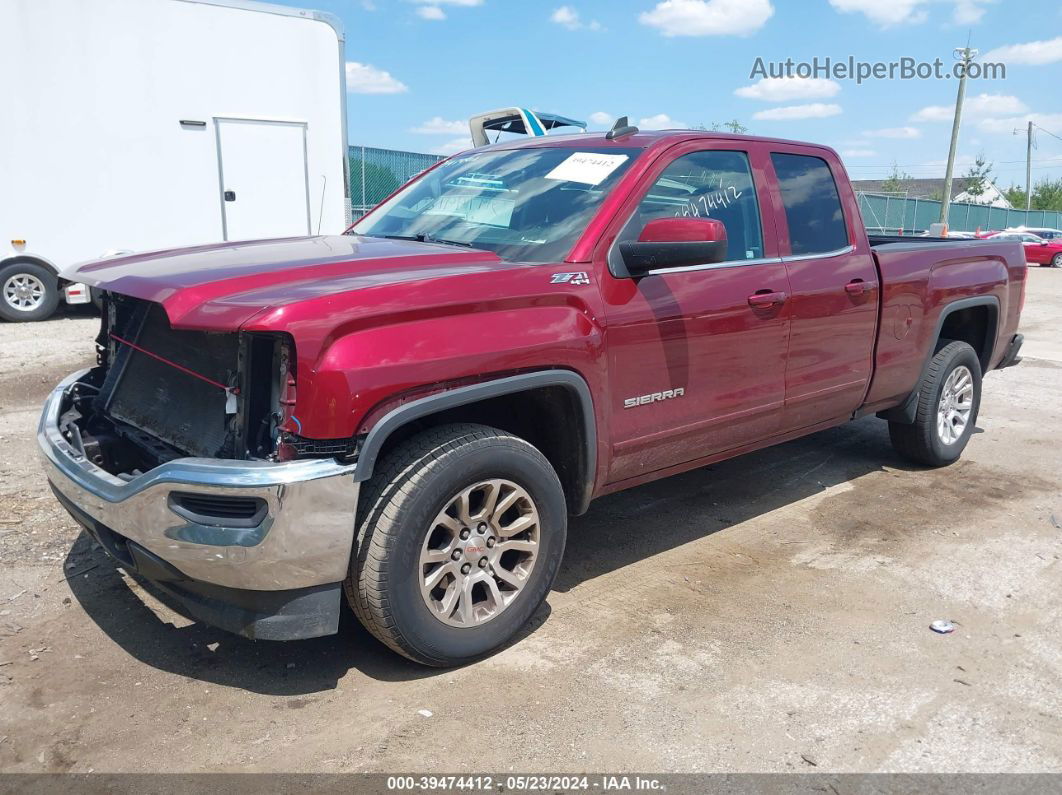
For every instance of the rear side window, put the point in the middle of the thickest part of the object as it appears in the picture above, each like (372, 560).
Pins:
(812, 205)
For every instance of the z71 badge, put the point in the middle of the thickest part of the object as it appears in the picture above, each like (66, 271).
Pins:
(570, 278)
(644, 400)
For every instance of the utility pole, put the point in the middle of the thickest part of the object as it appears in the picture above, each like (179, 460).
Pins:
(965, 56)
(1028, 170)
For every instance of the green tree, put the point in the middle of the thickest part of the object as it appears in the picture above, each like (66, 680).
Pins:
(897, 181)
(1016, 197)
(1046, 195)
(733, 126)
(977, 177)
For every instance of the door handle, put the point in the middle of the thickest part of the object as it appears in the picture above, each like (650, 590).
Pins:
(762, 299)
(856, 287)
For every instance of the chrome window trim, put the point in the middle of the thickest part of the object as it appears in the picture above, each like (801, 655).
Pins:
(734, 263)
(737, 263)
(837, 252)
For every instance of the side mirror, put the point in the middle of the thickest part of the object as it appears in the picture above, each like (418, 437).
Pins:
(1043, 242)
(675, 243)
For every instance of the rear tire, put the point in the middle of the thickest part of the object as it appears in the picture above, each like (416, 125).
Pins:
(28, 292)
(427, 516)
(949, 397)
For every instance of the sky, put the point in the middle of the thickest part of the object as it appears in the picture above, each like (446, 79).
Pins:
(417, 69)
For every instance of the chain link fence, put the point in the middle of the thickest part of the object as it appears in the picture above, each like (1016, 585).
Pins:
(901, 215)
(375, 173)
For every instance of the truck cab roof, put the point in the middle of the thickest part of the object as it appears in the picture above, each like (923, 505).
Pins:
(642, 139)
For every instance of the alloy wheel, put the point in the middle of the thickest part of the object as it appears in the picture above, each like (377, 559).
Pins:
(956, 403)
(24, 292)
(479, 553)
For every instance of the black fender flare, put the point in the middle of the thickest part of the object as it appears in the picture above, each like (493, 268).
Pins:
(461, 396)
(905, 412)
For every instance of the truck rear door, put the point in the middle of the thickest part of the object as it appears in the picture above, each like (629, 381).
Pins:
(834, 286)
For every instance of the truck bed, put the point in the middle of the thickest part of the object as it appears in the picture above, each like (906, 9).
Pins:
(881, 240)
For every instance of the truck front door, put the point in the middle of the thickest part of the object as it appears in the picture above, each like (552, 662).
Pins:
(694, 367)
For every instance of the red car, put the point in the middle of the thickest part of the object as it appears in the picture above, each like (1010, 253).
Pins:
(404, 417)
(1038, 250)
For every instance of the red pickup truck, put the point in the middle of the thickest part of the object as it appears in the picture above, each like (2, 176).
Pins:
(409, 412)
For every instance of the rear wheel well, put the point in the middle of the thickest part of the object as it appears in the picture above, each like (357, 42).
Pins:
(974, 325)
(549, 418)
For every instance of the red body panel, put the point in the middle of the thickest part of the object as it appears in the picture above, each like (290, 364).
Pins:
(376, 321)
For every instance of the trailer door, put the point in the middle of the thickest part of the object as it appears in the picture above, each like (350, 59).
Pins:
(263, 176)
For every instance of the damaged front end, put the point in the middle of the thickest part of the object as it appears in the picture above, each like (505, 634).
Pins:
(159, 393)
(176, 453)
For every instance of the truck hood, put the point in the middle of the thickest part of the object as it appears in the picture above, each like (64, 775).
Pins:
(222, 286)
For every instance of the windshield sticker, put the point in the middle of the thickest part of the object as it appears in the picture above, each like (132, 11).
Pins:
(489, 210)
(586, 167)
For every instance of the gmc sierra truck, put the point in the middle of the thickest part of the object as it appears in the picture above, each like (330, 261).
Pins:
(406, 415)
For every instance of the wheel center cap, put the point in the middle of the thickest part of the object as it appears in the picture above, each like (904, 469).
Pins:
(474, 547)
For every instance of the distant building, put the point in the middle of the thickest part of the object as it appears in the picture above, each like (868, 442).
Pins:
(934, 189)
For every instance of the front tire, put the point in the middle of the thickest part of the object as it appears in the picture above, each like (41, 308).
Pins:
(28, 292)
(949, 397)
(1056, 261)
(460, 534)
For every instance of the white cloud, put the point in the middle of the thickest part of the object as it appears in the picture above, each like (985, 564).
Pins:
(858, 153)
(661, 121)
(1033, 53)
(784, 89)
(708, 17)
(978, 106)
(601, 118)
(894, 132)
(814, 110)
(569, 18)
(1052, 122)
(969, 12)
(884, 12)
(453, 147)
(888, 13)
(365, 79)
(433, 13)
(437, 125)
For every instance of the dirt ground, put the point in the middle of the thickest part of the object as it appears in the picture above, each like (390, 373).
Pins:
(768, 613)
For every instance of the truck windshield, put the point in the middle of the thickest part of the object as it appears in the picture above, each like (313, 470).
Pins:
(526, 205)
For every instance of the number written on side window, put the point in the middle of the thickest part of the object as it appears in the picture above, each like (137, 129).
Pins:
(812, 206)
(711, 184)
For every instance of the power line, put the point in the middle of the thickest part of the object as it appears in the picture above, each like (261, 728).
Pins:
(1041, 129)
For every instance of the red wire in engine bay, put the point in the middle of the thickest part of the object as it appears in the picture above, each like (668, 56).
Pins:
(183, 369)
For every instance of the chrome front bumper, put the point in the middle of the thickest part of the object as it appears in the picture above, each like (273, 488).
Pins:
(303, 540)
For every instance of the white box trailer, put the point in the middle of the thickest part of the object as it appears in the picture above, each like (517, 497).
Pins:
(137, 125)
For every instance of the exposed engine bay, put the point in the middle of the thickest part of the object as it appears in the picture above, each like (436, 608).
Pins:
(160, 393)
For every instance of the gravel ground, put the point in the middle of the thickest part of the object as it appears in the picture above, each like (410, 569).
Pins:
(768, 613)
